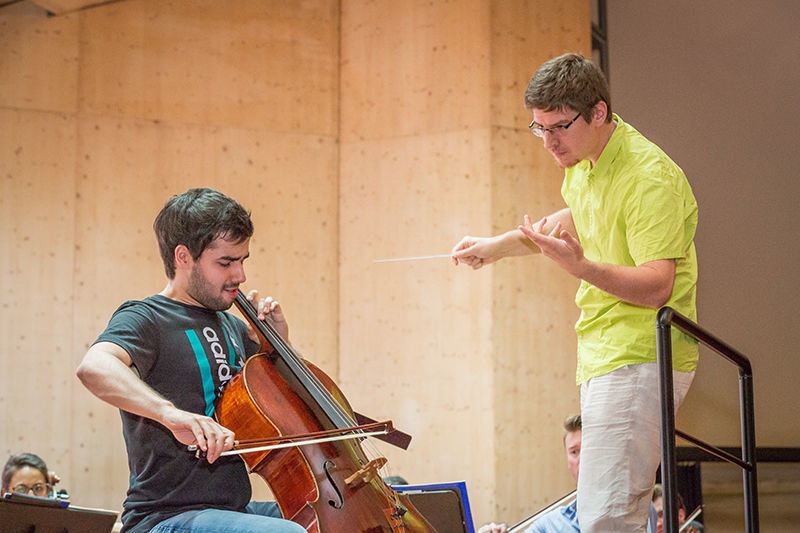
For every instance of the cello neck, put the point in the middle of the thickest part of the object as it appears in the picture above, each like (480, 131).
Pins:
(270, 338)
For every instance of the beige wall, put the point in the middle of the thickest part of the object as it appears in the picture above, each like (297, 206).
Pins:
(715, 84)
(354, 131)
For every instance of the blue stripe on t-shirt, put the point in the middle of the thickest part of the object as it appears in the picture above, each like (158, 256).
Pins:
(205, 370)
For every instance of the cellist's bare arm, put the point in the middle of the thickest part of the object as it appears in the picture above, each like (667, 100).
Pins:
(479, 251)
(106, 370)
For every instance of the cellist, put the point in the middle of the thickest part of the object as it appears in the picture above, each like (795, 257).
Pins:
(164, 359)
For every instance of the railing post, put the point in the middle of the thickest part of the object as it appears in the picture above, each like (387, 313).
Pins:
(669, 469)
(750, 481)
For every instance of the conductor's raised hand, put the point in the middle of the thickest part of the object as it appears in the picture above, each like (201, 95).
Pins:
(205, 432)
(269, 310)
(559, 245)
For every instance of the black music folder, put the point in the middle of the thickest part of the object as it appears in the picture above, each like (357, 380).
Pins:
(21, 513)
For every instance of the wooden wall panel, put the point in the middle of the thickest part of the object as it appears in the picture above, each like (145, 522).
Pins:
(33, 46)
(416, 336)
(414, 179)
(425, 68)
(36, 284)
(533, 308)
(262, 64)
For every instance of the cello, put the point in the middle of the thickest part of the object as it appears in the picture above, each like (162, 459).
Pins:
(328, 487)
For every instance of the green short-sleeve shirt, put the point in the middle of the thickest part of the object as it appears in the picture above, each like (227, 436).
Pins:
(633, 207)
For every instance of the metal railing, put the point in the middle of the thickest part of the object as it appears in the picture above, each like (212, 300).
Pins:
(668, 317)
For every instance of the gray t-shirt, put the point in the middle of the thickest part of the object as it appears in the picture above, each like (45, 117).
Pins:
(187, 354)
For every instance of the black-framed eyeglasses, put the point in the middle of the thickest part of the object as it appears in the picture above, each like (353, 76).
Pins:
(37, 489)
(539, 130)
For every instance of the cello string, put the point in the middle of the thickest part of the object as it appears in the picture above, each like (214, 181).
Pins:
(298, 368)
(279, 343)
(320, 398)
(371, 450)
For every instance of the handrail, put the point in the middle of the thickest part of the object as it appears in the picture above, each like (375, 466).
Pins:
(666, 318)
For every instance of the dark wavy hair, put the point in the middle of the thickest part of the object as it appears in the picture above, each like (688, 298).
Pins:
(19, 461)
(568, 81)
(194, 219)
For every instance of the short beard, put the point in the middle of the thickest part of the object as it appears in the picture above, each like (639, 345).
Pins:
(204, 293)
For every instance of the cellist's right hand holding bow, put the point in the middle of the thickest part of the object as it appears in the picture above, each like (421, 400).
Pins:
(202, 431)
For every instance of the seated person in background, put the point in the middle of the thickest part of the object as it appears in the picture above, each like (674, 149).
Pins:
(27, 473)
(658, 503)
(563, 519)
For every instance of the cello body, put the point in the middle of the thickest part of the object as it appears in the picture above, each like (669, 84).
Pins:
(326, 487)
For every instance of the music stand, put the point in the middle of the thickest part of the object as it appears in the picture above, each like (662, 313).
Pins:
(444, 505)
(21, 513)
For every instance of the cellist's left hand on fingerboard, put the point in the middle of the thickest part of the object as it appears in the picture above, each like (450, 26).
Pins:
(269, 310)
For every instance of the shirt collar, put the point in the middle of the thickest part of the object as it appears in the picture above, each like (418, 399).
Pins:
(612, 147)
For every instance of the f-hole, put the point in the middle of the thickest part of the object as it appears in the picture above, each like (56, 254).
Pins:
(330, 465)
